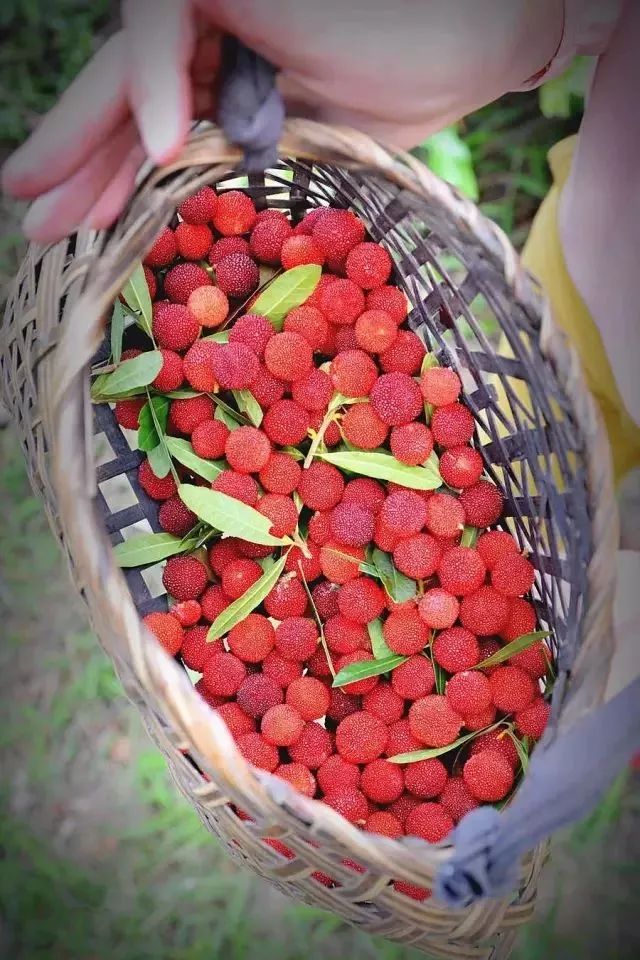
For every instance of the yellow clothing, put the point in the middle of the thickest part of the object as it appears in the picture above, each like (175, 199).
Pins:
(544, 258)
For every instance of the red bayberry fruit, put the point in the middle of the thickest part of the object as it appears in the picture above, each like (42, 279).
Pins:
(239, 486)
(256, 751)
(429, 821)
(167, 631)
(164, 250)
(223, 673)
(381, 781)
(461, 571)
(184, 578)
(234, 213)
(488, 776)
(209, 305)
(532, 720)
(288, 356)
(361, 738)
(353, 373)
(405, 632)
(390, 299)
(183, 279)
(174, 326)
(414, 678)
(299, 250)
(405, 355)
(185, 415)
(512, 688)
(396, 398)
(434, 722)
(484, 612)
(440, 386)
(483, 503)
(426, 778)
(411, 444)
(361, 600)
(469, 692)
(193, 240)
(200, 207)
(335, 563)
(439, 609)
(417, 557)
(313, 747)
(461, 467)
(252, 638)
(299, 777)
(456, 649)
(513, 575)
(286, 423)
(375, 331)
(456, 799)
(321, 486)
(445, 515)
(238, 576)
(175, 517)
(226, 246)
(254, 331)
(287, 599)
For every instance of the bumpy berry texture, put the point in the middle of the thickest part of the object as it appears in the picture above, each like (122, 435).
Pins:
(375, 564)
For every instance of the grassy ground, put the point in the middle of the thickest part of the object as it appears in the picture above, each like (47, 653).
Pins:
(99, 856)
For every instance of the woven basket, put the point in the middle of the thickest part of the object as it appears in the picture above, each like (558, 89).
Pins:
(540, 437)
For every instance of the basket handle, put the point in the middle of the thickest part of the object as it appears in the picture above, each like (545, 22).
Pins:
(566, 779)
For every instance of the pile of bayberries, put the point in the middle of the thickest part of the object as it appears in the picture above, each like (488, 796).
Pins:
(332, 575)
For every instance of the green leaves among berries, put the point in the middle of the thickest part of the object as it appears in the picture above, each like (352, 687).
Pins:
(469, 537)
(521, 749)
(510, 650)
(287, 291)
(428, 754)
(137, 296)
(378, 643)
(183, 452)
(160, 461)
(148, 436)
(220, 336)
(232, 517)
(383, 466)
(252, 598)
(249, 406)
(148, 548)
(398, 587)
(118, 318)
(130, 375)
(227, 415)
(365, 669)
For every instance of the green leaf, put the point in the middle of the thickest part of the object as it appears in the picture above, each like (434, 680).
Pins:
(148, 436)
(160, 461)
(149, 548)
(383, 466)
(430, 360)
(183, 452)
(366, 668)
(136, 293)
(182, 394)
(231, 414)
(230, 516)
(431, 752)
(378, 643)
(286, 292)
(469, 537)
(449, 156)
(131, 374)
(521, 749)
(248, 405)
(249, 600)
(160, 455)
(398, 586)
(220, 336)
(225, 417)
(516, 646)
(117, 331)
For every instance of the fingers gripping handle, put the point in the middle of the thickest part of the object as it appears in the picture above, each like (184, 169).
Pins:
(564, 782)
(251, 111)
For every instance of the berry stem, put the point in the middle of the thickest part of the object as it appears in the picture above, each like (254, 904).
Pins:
(323, 640)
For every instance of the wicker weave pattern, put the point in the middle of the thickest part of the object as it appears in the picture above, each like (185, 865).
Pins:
(550, 457)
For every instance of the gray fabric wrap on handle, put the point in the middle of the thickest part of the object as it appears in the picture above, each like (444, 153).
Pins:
(250, 110)
(566, 777)
(565, 780)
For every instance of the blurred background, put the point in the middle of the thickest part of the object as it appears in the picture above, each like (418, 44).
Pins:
(99, 856)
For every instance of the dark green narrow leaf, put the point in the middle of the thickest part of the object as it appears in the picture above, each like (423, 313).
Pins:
(136, 293)
(183, 452)
(286, 292)
(516, 646)
(383, 466)
(231, 416)
(521, 749)
(147, 548)
(469, 537)
(379, 645)
(159, 461)
(160, 456)
(117, 331)
(148, 436)
(249, 600)
(397, 585)
(431, 752)
(248, 405)
(130, 375)
(232, 517)
(366, 668)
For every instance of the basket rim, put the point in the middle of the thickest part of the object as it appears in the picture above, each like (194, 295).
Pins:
(106, 254)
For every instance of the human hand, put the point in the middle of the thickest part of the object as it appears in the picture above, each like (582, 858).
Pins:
(398, 72)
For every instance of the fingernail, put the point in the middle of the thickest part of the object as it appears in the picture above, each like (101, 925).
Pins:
(39, 223)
